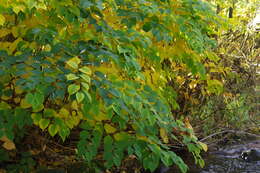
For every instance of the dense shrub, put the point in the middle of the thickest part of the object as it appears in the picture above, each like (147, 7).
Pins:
(113, 69)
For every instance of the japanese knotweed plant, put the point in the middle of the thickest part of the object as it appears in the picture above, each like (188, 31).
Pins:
(97, 65)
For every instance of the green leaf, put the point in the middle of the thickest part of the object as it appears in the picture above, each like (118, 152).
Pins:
(147, 26)
(108, 145)
(36, 117)
(53, 129)
(85, 85)
(215, 86)
(49, 113)
(85, 77)
(179, 162)
(4, 105)
(38, 98)
(138, 151)
(38, 108)
(151, 162)
(201, 163)
(73, 88)
(117, 159)
(29, 97)
(85, 70)
(84, 134)
(43, 123)
(69, 123)
(97, 137)
(74, 62)
(80, 96)
(166, 159)
(35, 99)
(71, 76)
(64, 132)
(88, 96)
(202, 71)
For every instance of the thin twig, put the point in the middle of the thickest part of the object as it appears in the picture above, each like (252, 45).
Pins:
(230, 131)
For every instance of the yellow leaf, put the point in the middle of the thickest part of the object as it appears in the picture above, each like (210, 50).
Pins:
(187, 123)
(109, 129)
(8, 144)
(47, 48)
(121, 136)
(15, 31)
(85, 70)
(18, 90)
(212, 56)
(38, 108)
(74, 105)
(144, 138)
(43, 123)
(74, 113)
(14, 44)
(36, 117)
(74, 62)
(5, 98)
(33, 45)
(3, 171)
(69, 123)
(2, 19)
(24, 104)
(17, 100)
(164, 135)
(75, 120)
(4, 105)
(18, 8)
(92, 123)
(80, 115)
(64, 112)
(204, 146)
(4, 32)
(100, 117)
(193, 84)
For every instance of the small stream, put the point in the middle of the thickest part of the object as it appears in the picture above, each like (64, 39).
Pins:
(230, 165)
(229, 160)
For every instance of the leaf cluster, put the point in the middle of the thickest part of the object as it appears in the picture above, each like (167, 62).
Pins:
(104, 66)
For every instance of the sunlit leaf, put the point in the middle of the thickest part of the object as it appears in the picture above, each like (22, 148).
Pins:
(85, 77)
(43, 123)
(85, 70)
(73, 88)
(2, 20)
(80, 96)
(36, 118)
(85, 85)
(74, 62)
(64, 112)
(164, 135)
(109, 129)
(71, 76)
(204, 146)
(8, 144)
(53, 129)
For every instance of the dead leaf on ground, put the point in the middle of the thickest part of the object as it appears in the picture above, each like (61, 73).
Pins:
(8, 144)
(2, 171)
